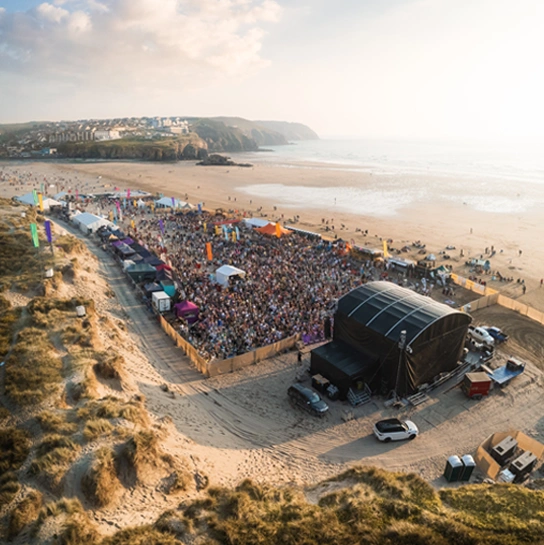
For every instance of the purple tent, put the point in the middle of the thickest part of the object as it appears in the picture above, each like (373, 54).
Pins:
(187, 310)
(116, 243)
(128, 241)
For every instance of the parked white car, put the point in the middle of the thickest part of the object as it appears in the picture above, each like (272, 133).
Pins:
(481, 335)
(394, 429)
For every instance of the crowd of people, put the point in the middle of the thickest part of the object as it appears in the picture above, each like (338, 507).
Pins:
(289, 286)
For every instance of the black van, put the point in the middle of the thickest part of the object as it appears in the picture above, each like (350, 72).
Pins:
(307, 399)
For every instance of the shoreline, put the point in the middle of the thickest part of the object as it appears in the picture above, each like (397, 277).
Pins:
(434, 222)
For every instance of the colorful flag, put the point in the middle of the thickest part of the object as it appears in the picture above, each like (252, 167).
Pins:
(77, 194)
(385, 252)
(209, 251)
(110, 215)
(233, 236)
(173, 202)
(128, 193)
(200, 208)
(48, 233)
(278, 229)
(205, 227)
(237, 232)
(161, 226)
(132, 224)
(35, 196)
(41, 187)
(40, 201)
(34, 234)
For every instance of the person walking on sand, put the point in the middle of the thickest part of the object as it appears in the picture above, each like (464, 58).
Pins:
(541, 282)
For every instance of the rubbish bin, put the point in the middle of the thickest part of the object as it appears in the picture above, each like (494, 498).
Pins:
(332, 392)
(468, 467)
(454, 468)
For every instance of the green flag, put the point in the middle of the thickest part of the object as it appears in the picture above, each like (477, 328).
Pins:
(34, 233)
(35, 195)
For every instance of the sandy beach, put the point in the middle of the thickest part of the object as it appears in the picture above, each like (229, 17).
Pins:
(264, 190)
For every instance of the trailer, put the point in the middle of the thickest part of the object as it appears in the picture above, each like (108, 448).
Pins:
(476, 385)
(503, 375)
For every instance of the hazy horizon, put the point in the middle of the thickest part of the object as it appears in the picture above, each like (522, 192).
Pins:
(400, 69)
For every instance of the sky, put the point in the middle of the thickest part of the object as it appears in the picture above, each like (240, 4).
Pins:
(442, 69)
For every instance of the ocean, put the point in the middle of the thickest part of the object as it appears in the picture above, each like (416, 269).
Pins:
(503, 179)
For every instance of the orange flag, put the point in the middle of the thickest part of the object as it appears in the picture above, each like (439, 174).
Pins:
(40, 201)
(278, 229)
(209, 251)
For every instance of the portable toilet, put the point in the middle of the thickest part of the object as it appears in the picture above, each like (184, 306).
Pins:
(454, 469)
(468, 467)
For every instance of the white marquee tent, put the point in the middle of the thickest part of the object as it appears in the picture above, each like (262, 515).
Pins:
(29, 199)
(223, 274)
(166, 202)
(89, 223)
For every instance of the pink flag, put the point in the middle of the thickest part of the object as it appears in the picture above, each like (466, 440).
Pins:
(128, 193)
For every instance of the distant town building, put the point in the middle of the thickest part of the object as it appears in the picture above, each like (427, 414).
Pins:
(108, 134)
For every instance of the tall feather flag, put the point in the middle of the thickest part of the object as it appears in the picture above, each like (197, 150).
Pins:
(385, 251)
(200, 208)
(40, 201)
(35, 197)
(278, 229)
(237, 232)
(173, 202)
(77, 194)
(132, 224)
(205, 227)
(161, 226)
(128, 193)
(226, 233)
(34, 234)
(48, 233)
(209, 251)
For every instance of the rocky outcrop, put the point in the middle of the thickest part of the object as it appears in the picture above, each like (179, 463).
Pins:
(220, 160)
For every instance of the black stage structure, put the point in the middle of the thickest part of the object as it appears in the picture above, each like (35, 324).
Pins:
(390, 338)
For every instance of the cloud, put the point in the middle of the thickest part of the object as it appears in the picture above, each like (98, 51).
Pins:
(143, 42)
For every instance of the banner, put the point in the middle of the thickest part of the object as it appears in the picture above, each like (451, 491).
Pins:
(40, 201)
(35, 196)
(34, 234)
(209, 251)
(48, 233)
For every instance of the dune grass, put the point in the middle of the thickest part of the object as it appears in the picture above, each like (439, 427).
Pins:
(143, 535)
(24, 513)
(97, 427)
(33, 370)
(109, 366)
(9, 487)
(53, 456)
(14, 449)
(112, 407)
(137, 455)
(8, 322)
(58, 422)
(100, 483)
(70, 244)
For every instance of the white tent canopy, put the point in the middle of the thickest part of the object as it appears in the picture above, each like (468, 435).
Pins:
(256, 222)
(28, 198)
(89, 222)
(166, 202)
(223, 274)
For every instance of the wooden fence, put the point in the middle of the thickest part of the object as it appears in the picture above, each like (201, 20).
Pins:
(471, 285)
(187, 347)
(220, 367)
